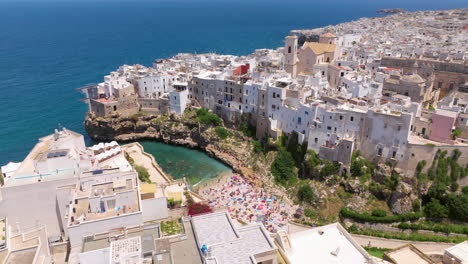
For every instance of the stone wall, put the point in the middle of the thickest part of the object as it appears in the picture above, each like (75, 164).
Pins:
(418, 152)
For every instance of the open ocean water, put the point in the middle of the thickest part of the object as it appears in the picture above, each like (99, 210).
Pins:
(47, 49)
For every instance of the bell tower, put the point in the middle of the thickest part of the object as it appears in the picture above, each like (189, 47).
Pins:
(290, 55)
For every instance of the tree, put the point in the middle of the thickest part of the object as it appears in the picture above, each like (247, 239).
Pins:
(207, 118)
(245, 127)
(329, 168)
(306, 194)
(458, 207)
(435, 209)
(222, 132)
(313, 159)
(2, 180)
(437, 192)
(283, 167)
(416, 205)
(257, 146)
(456, 133)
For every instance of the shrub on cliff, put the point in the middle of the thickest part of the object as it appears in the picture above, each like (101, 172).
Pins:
(222, 132)
(283, 167)
(306, 194)
(208, 118)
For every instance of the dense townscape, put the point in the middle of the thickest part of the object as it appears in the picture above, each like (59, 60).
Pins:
(388, 91)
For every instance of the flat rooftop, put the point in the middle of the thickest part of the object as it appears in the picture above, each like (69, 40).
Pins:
(22, 256)
(325, 244)
(104, 240)
(80, 210)
(459, 251)
(408, 254)
(227, 243)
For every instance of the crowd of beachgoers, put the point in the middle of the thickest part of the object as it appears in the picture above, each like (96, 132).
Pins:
(249, 204)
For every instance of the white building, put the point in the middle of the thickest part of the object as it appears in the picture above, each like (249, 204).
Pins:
(325, 244)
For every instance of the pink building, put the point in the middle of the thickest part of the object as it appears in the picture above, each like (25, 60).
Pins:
(441, 126)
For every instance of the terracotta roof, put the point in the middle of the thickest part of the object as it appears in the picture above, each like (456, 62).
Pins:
(319, 48)
(328, 35)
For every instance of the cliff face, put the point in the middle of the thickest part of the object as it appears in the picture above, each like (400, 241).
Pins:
(174, 130)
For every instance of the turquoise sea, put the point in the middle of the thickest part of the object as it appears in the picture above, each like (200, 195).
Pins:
(180, 162)
(47, 49)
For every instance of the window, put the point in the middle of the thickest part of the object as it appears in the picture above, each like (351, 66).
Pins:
(308, 113)
(329, 128)
(394, 154)
(115, 108)
(316, 140)
(439, 85)
(289, 49)
(299, 120)
(341, 117)
(351, 118)
(423, 131)
(399, 128)
(380, 152)
(342, 74)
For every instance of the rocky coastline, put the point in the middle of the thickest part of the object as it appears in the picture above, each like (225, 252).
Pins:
(234, 152)
(173, 130)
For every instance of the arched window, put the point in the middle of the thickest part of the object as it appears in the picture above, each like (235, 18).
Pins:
(289, 49)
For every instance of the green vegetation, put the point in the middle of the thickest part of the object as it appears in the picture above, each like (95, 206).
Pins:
(309, 212)
(435, 209)
(297, 150)
(208, 118)
(379, 213)
(456, 133)
(2, 180)
(143, 174)
(412, 236)
(376, 252)
(444, 172)
(430, 145)
(306, 194)
(283, 168)
(436, 227)
(328, 169)
(245, 127)
(222, 132)
(171, 227)
(257, 146)
(366, 217)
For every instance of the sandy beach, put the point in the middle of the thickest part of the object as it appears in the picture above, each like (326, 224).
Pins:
(248, 204)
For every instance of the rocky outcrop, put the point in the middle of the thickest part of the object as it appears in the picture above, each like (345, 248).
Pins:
(402, 199)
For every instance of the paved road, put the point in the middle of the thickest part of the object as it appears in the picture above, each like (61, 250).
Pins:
(426, 247)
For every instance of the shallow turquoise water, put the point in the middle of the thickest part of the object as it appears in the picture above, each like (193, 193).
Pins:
(181, 162)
